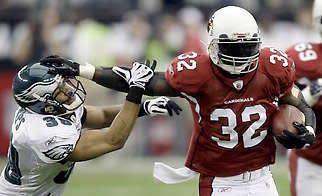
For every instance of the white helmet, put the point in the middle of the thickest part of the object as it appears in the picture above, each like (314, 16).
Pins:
(317, 15)
(234, 40)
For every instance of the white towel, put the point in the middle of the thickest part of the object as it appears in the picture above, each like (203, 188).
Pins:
(169, 175)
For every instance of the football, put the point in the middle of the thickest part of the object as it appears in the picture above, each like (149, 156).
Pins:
(284, 117)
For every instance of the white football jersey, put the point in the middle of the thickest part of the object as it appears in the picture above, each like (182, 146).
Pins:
(39, 146)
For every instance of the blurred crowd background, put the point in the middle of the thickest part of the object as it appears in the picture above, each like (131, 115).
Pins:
(118, 32)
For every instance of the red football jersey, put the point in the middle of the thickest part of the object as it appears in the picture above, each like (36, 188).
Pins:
(308, 62)
(232, 116)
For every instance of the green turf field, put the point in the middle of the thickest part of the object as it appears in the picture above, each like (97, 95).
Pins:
(138, 182)
(120, 184)
(119, 178)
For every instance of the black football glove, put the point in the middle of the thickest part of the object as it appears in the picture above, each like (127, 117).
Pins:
(61, 65)
(303, 140)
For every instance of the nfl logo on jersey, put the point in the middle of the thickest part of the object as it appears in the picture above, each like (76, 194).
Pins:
(238, 84)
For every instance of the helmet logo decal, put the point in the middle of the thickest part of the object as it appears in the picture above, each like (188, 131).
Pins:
(210, 25)
(49, 109)
(238, 84)
(32, 93)
(240, 35)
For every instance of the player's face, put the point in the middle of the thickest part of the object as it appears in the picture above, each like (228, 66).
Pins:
(65, 93)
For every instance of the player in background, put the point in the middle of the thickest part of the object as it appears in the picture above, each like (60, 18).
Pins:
(46, 135)
(233, 91)
(306, 165)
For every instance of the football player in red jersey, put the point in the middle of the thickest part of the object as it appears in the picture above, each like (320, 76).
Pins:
(233, 91)
(306, 165)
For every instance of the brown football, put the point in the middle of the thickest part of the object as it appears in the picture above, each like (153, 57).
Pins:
(283, 118)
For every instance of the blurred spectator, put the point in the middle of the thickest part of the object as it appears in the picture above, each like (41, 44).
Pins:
(89, 43)
(43, 35)
(129, 38)
(194, 28)
(166, 42)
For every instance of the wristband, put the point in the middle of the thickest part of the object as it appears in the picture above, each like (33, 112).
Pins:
(87, 71)
(135, 94)
(142, 111)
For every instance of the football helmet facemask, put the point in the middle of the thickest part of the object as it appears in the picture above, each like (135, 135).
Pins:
(39, 91)
(234, 40)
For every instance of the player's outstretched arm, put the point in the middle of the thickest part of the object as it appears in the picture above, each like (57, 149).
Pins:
(94, 143)
(113, 78)
(157, 87)
(101, 117)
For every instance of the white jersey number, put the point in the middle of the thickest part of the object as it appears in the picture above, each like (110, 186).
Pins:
(183, 64)
(248, 139)
(279, 56)
(306, 53)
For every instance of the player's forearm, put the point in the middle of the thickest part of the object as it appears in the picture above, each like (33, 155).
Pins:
(122, 125)
(94, 143)
(110, 112)
(107, 78)
(310, 119)
(157, 87)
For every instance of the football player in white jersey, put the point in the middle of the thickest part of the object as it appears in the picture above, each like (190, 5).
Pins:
(47, 137)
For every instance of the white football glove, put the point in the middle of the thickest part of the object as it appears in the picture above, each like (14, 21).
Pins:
(139, 75)
(161, 106)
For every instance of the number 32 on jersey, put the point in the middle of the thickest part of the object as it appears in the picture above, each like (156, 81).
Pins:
(248, 136)
(187, 64)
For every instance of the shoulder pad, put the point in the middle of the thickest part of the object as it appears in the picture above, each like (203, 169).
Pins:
(189, 71)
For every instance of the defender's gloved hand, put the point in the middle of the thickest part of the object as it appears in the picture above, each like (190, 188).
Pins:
(139, 76)
(159, 106)
(126, 73)
(65, 67)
